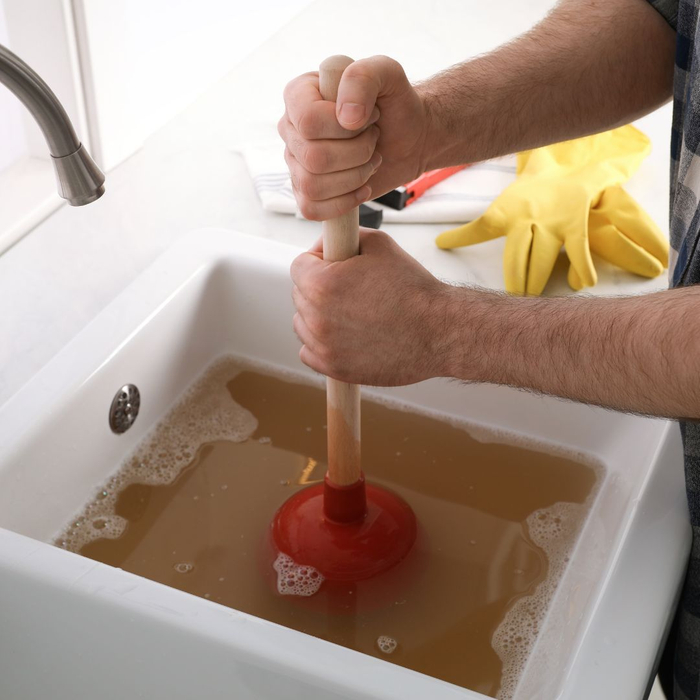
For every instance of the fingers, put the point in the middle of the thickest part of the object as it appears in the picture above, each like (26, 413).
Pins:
(615, 247)
(516, 258)
(310, 273)
(312, 352)
(618, 209)
(310, 348)
(306, 353)
(299, 301)
(319, 188)
(332, 157)
(310, 359)
(312, 117)
(302, 331)
(362, 84)
(622, 233)
(487, 227)
(574, 280)
(321, 156)
(578, 250)
(373, 241)
(544, 252)
(332, 208)
(305, 270)
(329, 177)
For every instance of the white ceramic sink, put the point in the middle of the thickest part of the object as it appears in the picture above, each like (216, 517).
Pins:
(72, 628)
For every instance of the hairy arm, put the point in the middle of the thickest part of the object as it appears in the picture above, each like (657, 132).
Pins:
(382, 319)
(590, 65)
(637, 354)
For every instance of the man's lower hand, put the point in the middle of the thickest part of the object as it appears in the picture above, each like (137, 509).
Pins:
(379, 318)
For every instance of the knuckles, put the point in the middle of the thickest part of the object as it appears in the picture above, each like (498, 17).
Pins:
(370, 143)
(384, 64)
(309, 125)
(338, 207)
(320, 327)
(315, 158)
(309, 209)
(281, 126)
(309, 186)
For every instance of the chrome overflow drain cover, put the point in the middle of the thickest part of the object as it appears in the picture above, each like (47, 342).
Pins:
(124, 408)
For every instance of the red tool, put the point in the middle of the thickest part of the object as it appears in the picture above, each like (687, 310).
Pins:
(346, 530)
(401, 197)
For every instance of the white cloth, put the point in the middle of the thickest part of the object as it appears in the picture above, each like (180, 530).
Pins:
(456, 200)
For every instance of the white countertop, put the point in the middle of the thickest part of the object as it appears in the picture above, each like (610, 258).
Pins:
(189, 175)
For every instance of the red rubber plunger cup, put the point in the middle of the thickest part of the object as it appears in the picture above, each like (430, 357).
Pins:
(347, 533)
(347, 530)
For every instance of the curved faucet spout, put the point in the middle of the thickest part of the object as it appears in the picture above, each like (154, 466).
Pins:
(79, 180)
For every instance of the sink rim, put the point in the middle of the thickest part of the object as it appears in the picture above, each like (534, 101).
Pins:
(193, 255)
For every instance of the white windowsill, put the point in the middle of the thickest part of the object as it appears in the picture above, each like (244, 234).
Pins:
(28, 195)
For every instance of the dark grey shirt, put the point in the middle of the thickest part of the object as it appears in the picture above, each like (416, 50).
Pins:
(683, 649)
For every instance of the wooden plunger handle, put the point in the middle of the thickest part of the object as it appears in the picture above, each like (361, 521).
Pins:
(341, 240)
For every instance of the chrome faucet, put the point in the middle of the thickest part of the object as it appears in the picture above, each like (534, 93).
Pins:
(79, 180)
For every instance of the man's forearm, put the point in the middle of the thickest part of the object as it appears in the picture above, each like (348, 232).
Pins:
(590, 65)
(639, 354)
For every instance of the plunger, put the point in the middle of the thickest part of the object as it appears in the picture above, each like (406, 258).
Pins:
(344, 528)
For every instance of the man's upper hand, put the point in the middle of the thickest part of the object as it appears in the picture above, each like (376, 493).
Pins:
(371, 140)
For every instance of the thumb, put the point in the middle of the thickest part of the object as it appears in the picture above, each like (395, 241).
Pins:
(487, 227)
(305, 268)
(362, 84)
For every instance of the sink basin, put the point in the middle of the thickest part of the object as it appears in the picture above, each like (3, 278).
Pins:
(74, 628)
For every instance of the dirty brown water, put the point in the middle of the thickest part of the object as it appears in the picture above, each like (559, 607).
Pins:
(496, 524)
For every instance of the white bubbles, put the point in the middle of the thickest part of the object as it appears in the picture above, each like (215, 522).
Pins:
(205, 413)
(295, 579)
(184, 567)
(387, 645)
(97, 521)
(553, 529)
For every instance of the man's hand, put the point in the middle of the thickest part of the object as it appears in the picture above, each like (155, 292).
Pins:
(551, 84)
(368, 142)
(382, 319)
(372, 319)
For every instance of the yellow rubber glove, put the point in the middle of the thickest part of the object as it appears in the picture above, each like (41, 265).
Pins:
(568, 194)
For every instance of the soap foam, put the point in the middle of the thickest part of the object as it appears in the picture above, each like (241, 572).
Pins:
(296, 579)
(204, 413)
(387, 645)
(173, 443)
(553, 529)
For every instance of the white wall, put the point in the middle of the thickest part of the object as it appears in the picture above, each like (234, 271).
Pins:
(41, 32)
(13, 143)
(145, 60)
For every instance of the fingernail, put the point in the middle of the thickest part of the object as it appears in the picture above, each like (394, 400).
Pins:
(374, 117)
(364, 193)
(375, 162)
(351, 113)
